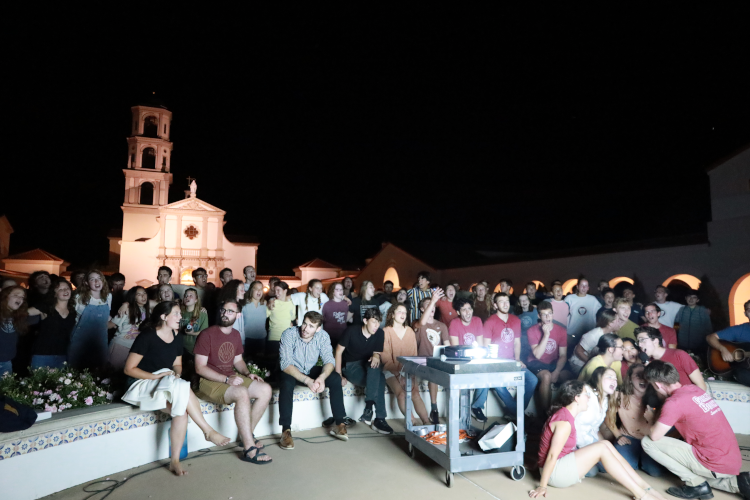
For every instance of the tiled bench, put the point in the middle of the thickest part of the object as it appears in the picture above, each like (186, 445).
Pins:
(734, 401)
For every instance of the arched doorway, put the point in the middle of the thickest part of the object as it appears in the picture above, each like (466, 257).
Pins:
(150, 127)
(186, 277)
(683, 279)
(147, 194)
(568, 286)
(737, 297)
(616, 281)
(392, 275)
(148, 159)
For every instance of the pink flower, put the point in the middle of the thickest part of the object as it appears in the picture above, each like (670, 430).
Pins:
(711, 378)
(47, 393)
(35, 393)
(105, 381)
(51, 409)
(89, 401)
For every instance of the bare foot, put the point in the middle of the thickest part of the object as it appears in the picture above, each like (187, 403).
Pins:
(262, 458)
(176, 469)
(216, 438)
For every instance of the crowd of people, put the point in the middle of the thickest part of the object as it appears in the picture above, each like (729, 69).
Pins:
(629, 395)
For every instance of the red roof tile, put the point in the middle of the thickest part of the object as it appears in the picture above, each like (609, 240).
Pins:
(319, 264)
(36, 254)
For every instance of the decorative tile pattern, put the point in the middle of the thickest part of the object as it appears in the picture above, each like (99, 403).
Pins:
(112, 425)
(729, 395)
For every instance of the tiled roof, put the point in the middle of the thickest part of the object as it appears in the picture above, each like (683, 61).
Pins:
(36, 254)
(319, 264)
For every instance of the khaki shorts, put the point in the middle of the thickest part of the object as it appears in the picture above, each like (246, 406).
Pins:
(214, 391)
(565, 472)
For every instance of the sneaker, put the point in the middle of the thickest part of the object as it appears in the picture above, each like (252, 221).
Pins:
(366, 416)
(339, 432)
(380, 425)
(478, 414)
(434, 417)
(286, 443)
(328, 422)
(349, 421)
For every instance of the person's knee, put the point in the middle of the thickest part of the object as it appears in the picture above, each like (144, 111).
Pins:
(647, 443)
(264, 390)
(544, 378)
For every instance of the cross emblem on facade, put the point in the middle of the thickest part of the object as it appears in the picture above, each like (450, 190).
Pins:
(190, 179)
(191, 232)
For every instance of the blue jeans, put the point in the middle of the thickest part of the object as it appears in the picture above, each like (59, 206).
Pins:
(530, 382)
(360, 373)
(634, 453)
(49, 361)
(6, 366)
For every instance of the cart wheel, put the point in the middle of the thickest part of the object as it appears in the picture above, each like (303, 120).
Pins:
(518, 472)
(412, 451)
(449, 479)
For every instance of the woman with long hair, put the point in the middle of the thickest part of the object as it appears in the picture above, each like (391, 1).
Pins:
(311, 299)
(587, 348)
(194, 318)
(366, 299)
(349, 288)
(400, 340)
(234, 290)
(156, 354)
(482, 302)
(58, 321)
(600, 387)
(280, 316)
(89, 341)
(128, 327)
(610, 349)
(445, 305)
(562, 465)
(626, 421)
(14, 322)
(631, 355)
(335, 313)
(39, 287)
(255, 314)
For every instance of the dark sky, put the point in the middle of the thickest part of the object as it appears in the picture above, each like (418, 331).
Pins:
(325, 133)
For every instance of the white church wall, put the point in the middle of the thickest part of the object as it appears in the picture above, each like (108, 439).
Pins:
(138, 260)
(213, 233)
(238, 256)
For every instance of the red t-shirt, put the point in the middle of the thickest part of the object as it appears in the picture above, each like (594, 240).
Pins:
(558, 338)
(561, 415)
(503, 334)
(668, 334)
(703, 425)
(467, 335)
(221, 349)
(428, 336)
(447, 313)
(683, 362)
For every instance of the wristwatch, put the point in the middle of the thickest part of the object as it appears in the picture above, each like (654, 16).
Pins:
(226, 380)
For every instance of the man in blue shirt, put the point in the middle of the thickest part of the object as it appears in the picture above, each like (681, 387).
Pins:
(740, 334)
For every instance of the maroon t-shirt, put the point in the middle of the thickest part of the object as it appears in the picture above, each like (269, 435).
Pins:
(683, 362)
(558, 338)
(221, 349)
(334, 319)
(430, 335)
(669, 335)
(703, 425)
(561, 415)
(467, 335)
(447, 313)
(503, 334)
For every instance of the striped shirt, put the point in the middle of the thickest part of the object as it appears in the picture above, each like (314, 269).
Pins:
(415, 296)
(293, 351)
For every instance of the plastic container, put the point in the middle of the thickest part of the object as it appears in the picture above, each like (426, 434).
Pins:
(183, 450)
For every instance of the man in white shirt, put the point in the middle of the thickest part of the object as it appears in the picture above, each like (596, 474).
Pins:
(583, 309)
(669, 309)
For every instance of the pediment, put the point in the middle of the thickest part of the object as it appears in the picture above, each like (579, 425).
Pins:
(194, 205)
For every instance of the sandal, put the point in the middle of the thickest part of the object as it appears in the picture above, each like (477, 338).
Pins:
(258, 444)
(254, 460)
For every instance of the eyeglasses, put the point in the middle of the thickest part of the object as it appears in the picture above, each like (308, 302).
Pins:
(201, 275)
(644, 340)
(227, 311)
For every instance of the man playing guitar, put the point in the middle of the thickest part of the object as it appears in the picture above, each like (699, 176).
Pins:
(737, 334)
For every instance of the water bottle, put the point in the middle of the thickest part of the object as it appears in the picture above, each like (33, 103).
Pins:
(183, 451)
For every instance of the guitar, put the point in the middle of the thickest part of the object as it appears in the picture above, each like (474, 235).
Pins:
(740, 353)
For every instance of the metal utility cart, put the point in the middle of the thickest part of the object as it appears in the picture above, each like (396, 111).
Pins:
(476, 374)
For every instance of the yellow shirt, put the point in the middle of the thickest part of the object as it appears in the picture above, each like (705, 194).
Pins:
(280, 318)
(595, 363)
(627, 330)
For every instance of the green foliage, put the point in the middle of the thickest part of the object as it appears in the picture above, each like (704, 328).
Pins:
(258, 370)
(54, 390)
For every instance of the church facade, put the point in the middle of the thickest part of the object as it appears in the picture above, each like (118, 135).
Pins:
(182, 235)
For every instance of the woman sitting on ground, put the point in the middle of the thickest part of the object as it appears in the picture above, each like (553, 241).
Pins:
(562, 465)
(58, 319)
(600, 388)
(625, 420)
(586, 349)
(156, 354)
(400, 340)
(127, 327)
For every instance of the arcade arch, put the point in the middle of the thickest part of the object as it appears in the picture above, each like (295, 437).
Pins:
(616, 281)
(147, 194)
(392, 275)
(568, 286)
(737, 297)
(186, 277)
(687, 279)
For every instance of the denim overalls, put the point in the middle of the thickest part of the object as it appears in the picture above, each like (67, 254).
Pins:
(88, 342)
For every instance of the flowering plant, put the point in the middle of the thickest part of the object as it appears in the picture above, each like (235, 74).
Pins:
(258, 370)
(53, 390)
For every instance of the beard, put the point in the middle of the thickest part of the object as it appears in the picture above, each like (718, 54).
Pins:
(226, 322)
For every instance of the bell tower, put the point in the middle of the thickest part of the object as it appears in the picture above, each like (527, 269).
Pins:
(147, 176)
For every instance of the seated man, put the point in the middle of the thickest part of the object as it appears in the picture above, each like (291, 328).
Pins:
(358, 359)
(549, 351)
(504, 330)
(650, 341)
(741, 334)
(709, 456)
(299, 350)
(225, 379)
(431, 333)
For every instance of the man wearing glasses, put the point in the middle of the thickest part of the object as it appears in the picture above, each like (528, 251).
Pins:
(650, 341)
(225, 379)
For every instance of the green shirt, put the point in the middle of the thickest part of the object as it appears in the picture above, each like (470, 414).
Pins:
(191, 328)
(627, 330)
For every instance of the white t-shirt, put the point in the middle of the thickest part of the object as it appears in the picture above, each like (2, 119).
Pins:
(669, 311)
(298, 299)
(588, 422)
(92, 302)
(588, 342)
(582, 314)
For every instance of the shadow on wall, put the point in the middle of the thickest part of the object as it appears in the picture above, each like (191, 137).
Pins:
(710, 298)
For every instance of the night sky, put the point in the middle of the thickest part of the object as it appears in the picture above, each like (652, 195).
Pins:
(325, 133)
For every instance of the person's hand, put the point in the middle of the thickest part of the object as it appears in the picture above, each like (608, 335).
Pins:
(523, 365)
(165, 374)
(254, 377)
(204, 310)
(123, 310)
(310, 383)
(437, 295)
(540, 491)
(554, 376)
(320, 385)
(348, 300)
(622, 441)
(726, 355)
(234, 380)
(546, 328)
(271, 303)
(374, 361)
(343, 381)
